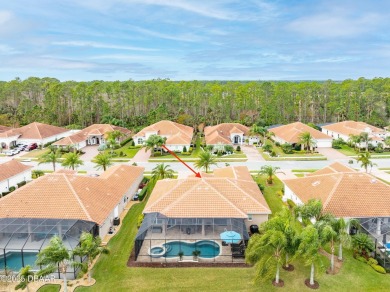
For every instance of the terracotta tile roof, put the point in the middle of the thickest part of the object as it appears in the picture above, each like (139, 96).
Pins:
(4, 128)
(12, 168)
(345, 194)
(351, 128)
(332, 168)
(207, 197)
(66, 196)
(237, 172)
(290, 133)
(221, 133)
(34, 131)
(95, 129)
(177, 134)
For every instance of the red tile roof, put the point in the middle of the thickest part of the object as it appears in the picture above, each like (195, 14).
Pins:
(12, 168)
(220, 134)
(352, 128)
(34, 131)
(67, 196)
(291, 132)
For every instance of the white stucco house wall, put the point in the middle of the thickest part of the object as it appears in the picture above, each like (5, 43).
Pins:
(12, 173)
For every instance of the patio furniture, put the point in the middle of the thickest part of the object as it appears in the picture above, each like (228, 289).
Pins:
(230, 236)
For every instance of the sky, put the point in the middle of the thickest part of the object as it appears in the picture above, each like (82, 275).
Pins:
(87, 40)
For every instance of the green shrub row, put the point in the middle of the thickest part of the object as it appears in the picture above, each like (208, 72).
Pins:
(373, 263)
(124, 142)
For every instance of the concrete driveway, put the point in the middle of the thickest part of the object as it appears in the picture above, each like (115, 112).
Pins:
(90, 153)
(141, 156)
(332, 154)
(252, 153)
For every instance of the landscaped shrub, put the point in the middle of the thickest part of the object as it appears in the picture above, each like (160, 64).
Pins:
(297, 147)
(124, 142)
(238, 149)
(267, 148)
(37, 173)
(361, 259)
(337, 143)
(186, 153)
(372, 261)
(379, 269)
(142, 194)
(4, 194)
(279, 194)
(139, 220)
(287, 148)
(261, 187)
(229, 148)
(22, 183)
(11, 189)
(291, 204)
(121, 154)
(273, 154)
(184, 149)
(191, 149)
(277, 144)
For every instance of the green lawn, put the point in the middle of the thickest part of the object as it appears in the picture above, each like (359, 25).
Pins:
(305, 170)
(270, 192)
(349, 151)
(295, 156)
(130, 153)
(49, 288)
(111, 271)
(35, 153)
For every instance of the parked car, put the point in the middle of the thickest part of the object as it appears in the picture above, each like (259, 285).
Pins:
(32, 146)
(15, 151)
(9, 153)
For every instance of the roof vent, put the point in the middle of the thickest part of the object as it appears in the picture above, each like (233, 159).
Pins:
(316, 183)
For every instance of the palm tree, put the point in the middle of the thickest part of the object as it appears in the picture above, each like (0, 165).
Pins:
(72, 160)
(354, 141)
(327, 235)
(161, 171)
(312, 210)
(365, 138)
(387, 141)
(206, 159)
(51, 157)
(309, 247)
(154, 141)
(307, 140)
(26, 276)
(365, 160)
(103, 160)
(54, 256)
(286, 222)
(89, 247)
(269, 171)
(112, 138)
(263, 131)
(343, 237)
(362, 244)
(267, 251)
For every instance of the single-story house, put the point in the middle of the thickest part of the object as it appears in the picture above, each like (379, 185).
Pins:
(95, 134)
(290, 134)
(200, 209)
(178, 135)
(32, 133)
(228, 134)
(344, 129)
(12, 173)
(63, 204)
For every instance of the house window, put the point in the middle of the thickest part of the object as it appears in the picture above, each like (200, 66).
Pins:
(140, 141)
(250, 217)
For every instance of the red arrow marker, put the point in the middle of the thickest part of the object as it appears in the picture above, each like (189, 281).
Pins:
(197, 174)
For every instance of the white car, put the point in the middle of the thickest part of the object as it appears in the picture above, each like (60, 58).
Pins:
(9, 153)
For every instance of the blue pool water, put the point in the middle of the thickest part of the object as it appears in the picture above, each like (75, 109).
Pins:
(207, 248)
(14, 260)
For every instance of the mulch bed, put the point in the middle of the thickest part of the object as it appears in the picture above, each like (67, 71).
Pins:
(280, 284)
(290, 268)
(315, 286)
(133, 263)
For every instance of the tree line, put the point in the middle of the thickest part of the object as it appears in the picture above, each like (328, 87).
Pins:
(135, 104)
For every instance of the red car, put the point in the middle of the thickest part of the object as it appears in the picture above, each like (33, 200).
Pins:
(32, 146)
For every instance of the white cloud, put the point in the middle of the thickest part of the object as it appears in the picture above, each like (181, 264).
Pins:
(337, 24)
(100, 46)
(5, 16)
(189, 37)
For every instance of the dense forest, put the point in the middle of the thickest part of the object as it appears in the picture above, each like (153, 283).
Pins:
(139, 103)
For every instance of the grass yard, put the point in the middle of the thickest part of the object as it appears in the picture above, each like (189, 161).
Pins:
(35, 153)
(129, 153)
(49, 288)
(349, 151)
(271, 192)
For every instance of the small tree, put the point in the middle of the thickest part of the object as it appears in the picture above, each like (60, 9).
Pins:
(54, 256)
(154, 141)
(362, 244)
(90, 247)
(184, 149)
(267, 251)
(72, 160)
(365, 138)
(269, 171)
(103, 160)
(309, 247)
(161, 171)
(26, 276)
(238, 149)
(365, 160)
(206, 159)
(307, 140)
(52, 157)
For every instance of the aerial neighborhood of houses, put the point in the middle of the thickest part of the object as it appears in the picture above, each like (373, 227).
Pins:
(246, 176)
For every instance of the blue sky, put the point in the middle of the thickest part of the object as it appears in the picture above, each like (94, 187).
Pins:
(194, 40)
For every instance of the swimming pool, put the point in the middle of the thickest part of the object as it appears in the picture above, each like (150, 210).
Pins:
(14, 260)
(207, 248)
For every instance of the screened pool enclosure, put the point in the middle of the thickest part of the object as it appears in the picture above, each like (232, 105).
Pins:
(162, 239)
(22, 238)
